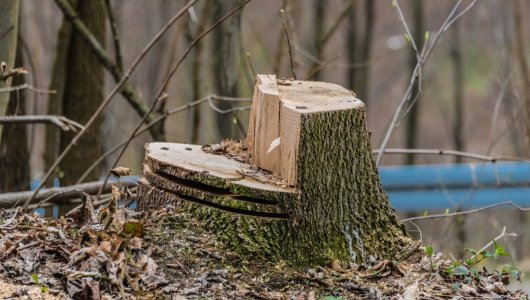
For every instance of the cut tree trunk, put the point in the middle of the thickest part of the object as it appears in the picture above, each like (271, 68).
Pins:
(310, 192)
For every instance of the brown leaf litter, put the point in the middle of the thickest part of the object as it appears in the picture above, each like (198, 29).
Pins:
(119, 253)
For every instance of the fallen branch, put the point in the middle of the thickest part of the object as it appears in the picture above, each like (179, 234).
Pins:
(451, 153)
(59, 194)
(466, 212)
(59, 121)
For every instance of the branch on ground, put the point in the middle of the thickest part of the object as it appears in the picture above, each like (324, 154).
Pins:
(58, 194)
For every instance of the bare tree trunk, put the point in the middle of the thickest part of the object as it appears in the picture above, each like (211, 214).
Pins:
(196, 59)
(458, 89)
(55, 101)
(521, 61)
(9, 14)
(14, 155)
(83, 93)
(226, 55)
(319, 21)
(359, 52)
(412, 123)
(520, 56)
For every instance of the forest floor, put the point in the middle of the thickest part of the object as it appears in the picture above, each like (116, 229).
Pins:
(115, 253)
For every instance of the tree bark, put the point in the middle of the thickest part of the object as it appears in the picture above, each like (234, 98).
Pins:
(458, 89)
(55, 101)
(9, 14)
(359, 53)
(83, 93)
(323, 200)
(14, 154)
(412, 123)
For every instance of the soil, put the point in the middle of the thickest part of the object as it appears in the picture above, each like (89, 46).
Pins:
(166, 254)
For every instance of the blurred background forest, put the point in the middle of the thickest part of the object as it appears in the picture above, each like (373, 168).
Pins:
(475, 86)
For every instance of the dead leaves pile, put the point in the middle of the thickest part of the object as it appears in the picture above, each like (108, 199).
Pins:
(123, 254)
(235, 150)
(89, 254)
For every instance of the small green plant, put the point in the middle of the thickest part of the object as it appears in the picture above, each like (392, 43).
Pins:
(467, 269)
(429, 251)
(43, 288)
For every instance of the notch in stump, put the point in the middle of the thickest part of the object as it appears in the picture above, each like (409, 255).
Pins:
(311, 135)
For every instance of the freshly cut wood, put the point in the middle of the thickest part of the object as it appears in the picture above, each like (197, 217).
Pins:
(323, 200)
(278, 109)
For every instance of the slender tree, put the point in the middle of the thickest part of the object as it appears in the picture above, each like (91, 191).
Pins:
(226, 55)
(458, 88)
(14, 154)
(83, 92)
(359, 46)
(418, 36)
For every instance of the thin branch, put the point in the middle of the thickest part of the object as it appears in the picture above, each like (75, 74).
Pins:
(166, 82)
(59, 121)
(4, 76)
(451, 153)
(395, 4)
(61, 193)
(337, 23)
(503, 233)
(3, 34)
(466, 212)
(286, 32)
(154, 122)
(426, 52)
(115, 36)
(28, 87)
(320, 67)
(126, 88)
(107, 100)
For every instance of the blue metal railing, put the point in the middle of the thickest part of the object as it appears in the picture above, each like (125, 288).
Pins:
(440, 187)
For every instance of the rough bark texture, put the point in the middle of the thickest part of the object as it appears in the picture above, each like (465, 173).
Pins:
(55, 101)
(337, 209)
(14, 154)
(83, 93)
(9, 14)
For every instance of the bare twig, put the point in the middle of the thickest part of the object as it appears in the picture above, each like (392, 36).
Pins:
(422, 58)
(155, 121)
(451, 153)
(338, 21)
(115, 36)
(466, 212)
(12, 72)
(166, 82)
(286, 32)
(125, 87)
(501, 235)
(107, 100)
(3, 34)
(28, 87)
(60, 193)
(59, 121)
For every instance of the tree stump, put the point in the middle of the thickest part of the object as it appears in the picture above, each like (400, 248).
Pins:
(310, 192)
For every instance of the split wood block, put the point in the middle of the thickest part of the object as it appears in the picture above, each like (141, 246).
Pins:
(280, 111)
(312, 135)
